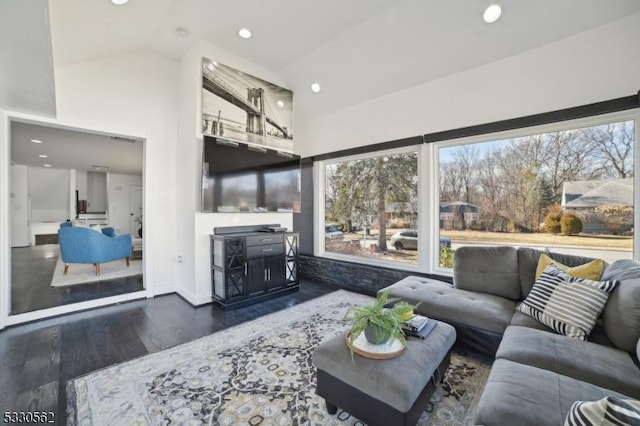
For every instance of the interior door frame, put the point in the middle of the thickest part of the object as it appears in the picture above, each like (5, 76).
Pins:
(6, 319)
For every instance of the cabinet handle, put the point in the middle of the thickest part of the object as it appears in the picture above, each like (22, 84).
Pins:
(265, 275)
(245, 268)
(266, 239)
(269, 249)
(269, 274)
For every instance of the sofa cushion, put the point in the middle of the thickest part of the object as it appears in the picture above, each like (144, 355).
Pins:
(492, 270)
(599, 365)
(608, 410)
(597, 334)
(523, 320)
(518, 394)
(441, 301)
(590, 270)
(528, 262)
(567, 304)
(621, 316)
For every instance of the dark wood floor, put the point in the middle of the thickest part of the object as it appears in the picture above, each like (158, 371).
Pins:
(37, 359)
(31, 272)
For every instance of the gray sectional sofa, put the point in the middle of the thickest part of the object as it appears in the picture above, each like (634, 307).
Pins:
(537, 373)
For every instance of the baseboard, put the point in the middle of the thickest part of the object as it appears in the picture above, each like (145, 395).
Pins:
(192, 298)
(163, 289)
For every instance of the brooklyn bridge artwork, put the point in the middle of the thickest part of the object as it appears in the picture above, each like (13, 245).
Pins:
(241, 107)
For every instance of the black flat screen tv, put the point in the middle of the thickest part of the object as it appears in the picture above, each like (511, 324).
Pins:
(245, 178)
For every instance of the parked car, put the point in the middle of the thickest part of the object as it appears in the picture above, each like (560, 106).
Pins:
(332, 233)
(409, 240)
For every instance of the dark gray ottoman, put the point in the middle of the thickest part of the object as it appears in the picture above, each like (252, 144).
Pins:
(383, 392)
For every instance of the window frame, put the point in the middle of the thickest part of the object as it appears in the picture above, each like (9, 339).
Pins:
(319, 168)
(428, 225)
(591, 121)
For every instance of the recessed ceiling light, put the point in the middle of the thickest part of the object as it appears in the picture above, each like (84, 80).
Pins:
(119, 2)
(492, 13)
(280, 104)
(182, 32)
(47, 165)
(315, 88)
(43, 156)
(36, 141)
(244, 33)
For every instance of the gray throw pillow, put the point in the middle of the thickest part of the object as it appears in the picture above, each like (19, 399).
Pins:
(621, 316)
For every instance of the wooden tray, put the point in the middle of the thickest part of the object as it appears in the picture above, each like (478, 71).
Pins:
(385, 351)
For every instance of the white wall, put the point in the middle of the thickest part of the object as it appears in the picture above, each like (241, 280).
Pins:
(592, 66)
(96, 192)
(49, 191)
(19, 200)
(118, 193)
(194, 274)
(135, 95)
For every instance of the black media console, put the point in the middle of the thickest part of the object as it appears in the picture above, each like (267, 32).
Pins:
(250, 264)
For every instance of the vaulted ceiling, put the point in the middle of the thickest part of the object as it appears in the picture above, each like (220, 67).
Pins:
(356, 49)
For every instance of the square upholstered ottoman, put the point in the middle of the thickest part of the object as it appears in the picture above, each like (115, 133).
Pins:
(383, 392)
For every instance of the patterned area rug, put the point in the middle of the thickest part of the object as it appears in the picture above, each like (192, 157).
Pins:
(257, 373)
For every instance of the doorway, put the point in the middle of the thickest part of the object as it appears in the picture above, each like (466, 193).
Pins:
(83, 180)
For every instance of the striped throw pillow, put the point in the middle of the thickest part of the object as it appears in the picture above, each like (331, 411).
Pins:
(569, 305)
(607, 411)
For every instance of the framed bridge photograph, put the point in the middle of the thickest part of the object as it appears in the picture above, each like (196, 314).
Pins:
(241, 107)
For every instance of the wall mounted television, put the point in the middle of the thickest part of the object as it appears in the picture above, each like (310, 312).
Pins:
(244, 178)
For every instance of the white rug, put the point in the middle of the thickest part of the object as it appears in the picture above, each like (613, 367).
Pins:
(259, 372)
(81, 273)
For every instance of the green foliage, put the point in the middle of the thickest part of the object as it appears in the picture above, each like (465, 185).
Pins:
(552, 220)
(386, 322)
(359, 188)
(446, 257)
(570, 224)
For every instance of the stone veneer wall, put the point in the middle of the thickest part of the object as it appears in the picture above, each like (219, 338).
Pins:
(354, 276)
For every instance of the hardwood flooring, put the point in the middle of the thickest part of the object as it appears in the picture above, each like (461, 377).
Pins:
(31, 272)
(37, 359)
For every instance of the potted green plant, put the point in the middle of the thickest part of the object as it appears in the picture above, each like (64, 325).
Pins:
(379, 324)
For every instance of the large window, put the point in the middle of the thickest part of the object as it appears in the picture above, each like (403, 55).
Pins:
(566, 187)
(371, 207)
(571, 191)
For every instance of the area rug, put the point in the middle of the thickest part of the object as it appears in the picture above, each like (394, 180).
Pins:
(256, 373)
(81, 273)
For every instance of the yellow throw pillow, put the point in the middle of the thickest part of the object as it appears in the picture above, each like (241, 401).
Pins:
(591, 271)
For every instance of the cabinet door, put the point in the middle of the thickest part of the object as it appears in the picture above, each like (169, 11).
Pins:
(291, 251)
(234, 253)
(235, 283)
(256, 276)
(275, 271)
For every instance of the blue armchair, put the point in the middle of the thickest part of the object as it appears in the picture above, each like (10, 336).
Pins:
(84, 245)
